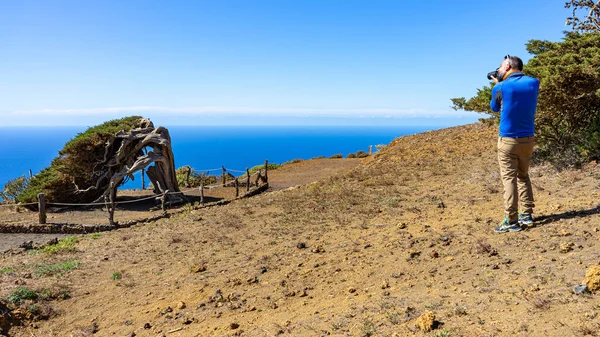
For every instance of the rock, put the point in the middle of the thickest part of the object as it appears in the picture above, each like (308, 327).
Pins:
(385, 284)
(234, 325)
(147, 326)
(414, 253)
(180, 305)
(318, 249)
(425, 321)
(434, 255)
(198, 268)
(580, 289)
(566, 247)
(592, 278)
(301, 245)
(352, 290)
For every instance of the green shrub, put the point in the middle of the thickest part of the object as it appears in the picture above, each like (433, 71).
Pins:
(337, 156)
(351, 155)
(63, 246)
(319, 157)
(294, 161)
(21, 295)
(13, 188)
(77, 163)
(262, 167)
(116, 276)
(361, 154)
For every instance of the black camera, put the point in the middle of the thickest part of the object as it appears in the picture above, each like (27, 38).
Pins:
(492, 73)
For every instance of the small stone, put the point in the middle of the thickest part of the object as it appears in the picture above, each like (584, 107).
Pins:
(566, 247)
(425, 321)
(234, 325)
(580, 289)
(414, 253)
(565, 232)
(198, 268)
(385, 284)
(434, 254)
(401, 225)
(147, 326)
(301, 245)
(263, 270)
(318, 249)
(180, 305)
(352, 290)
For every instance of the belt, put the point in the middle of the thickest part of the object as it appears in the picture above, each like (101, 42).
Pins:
(517, 138)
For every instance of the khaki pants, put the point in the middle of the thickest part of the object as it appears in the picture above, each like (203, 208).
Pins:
(514, 156)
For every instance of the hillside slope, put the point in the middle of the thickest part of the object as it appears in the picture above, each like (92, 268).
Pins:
(358, 254)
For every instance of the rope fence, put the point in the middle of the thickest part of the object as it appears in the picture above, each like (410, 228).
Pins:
(111, 203)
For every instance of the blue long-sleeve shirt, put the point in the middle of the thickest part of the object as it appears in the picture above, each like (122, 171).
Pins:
(517, 97)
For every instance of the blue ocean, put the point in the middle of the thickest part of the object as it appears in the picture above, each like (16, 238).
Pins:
(206, 147)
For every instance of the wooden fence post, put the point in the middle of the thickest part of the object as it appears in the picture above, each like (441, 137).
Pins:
(223, 175)
(257, 178)
(202, 193)
(266, 169)
(143, 182)
(247, 180)
(187, 177)
(237, 187)
(42, 208)
(111, 210)
(163, 201)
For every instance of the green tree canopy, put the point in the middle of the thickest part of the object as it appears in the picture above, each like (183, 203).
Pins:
(568, 111)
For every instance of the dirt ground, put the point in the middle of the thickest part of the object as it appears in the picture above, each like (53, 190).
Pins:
(363, 252)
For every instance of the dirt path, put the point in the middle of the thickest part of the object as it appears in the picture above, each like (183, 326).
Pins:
(293, 174)
(309, 171)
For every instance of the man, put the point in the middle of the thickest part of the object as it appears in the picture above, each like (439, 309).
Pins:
(516, 94)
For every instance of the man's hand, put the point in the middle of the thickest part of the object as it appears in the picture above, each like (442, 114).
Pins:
(495, 79)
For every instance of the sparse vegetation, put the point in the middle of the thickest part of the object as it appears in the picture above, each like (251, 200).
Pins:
(22, 294)
(337, 156)
(57, 269)
(65, 245)
(116, 275)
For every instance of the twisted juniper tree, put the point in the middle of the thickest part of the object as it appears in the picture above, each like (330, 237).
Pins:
(99, 160)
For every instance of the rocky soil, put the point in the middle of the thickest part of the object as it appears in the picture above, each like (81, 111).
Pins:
(401, 245)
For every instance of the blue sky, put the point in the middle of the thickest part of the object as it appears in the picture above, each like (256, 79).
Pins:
(257, 61)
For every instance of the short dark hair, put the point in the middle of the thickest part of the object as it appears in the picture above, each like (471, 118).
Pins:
(515, 62)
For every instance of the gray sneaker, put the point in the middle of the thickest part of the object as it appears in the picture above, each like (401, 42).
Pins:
(525, 219)
(506, 226)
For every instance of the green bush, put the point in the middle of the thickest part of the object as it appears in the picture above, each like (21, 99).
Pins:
(262, 167)
(351, 155)
(77, 163)
(294, 161)
(13, 188)
(337, 156)
(361, 154)
(21, 295)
